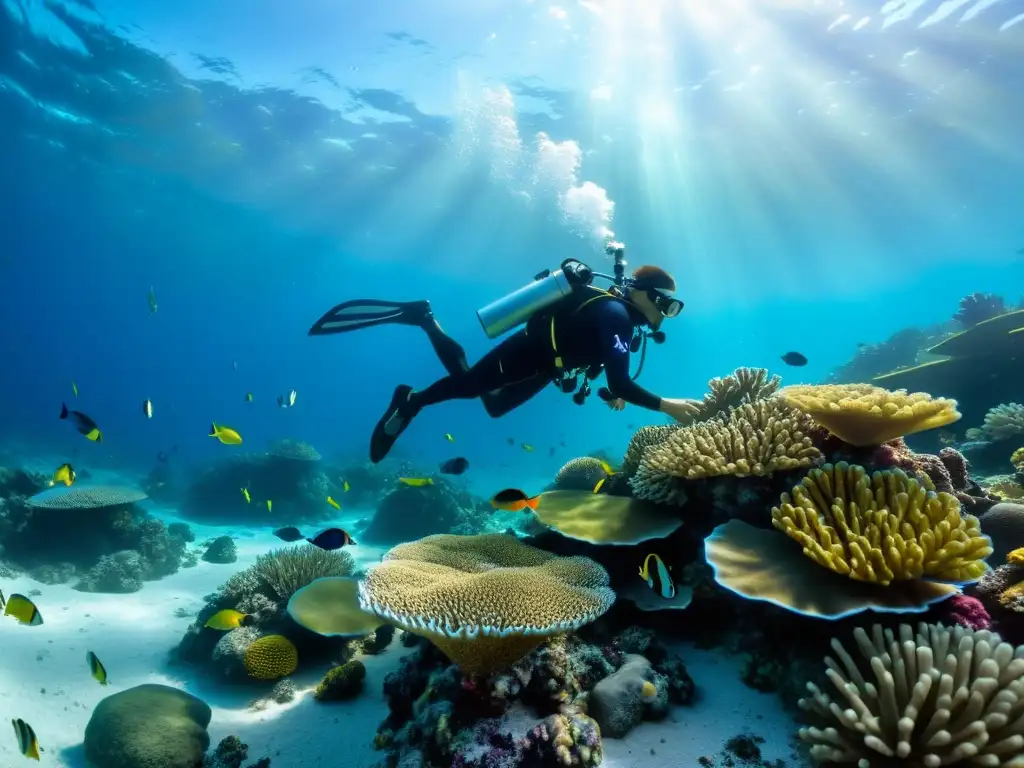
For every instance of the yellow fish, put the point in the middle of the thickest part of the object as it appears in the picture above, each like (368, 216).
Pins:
(416, 482)
(607, 468)
(28, 745)
(226, 435)
(608, 472)
(228, 619)
(344, 484)
(24, 610)
(648, 690)
(527, 447)
(74, 388)
(448, 437)
(248, 498)
(65, 473)
(248, 397)
(96, 668)
(597, 488)
(270, 506)
(333, 503)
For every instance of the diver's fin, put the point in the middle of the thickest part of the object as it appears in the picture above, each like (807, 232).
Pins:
(392, 423)
(364, 313)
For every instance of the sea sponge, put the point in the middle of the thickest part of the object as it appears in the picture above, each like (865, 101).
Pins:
(484, 600)
(864, 415)
(580, 474)
(344, 682)
(938, 697)
(271, 658)
(883, 528)
(1004, 422)
(643, 439)
(757, 438)
(601, 519)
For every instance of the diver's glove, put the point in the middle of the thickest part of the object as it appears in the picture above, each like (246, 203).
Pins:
(576, 272)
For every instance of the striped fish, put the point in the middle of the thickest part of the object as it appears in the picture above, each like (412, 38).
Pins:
(28, 745)
(658, 578)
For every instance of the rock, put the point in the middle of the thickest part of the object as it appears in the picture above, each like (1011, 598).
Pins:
(221, 551)
(229, 654)
(618, 704)
(149, 726)
(1004, 524)
(344, 682)
(379, 640)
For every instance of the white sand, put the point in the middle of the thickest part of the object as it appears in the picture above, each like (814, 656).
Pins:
(45, 681)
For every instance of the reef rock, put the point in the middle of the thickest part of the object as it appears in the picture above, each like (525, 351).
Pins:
(222, 551)
(618, 703)
(149, 726)
(409, 513)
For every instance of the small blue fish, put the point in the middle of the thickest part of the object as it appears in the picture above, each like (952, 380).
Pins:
(659, 579)
(332, 538)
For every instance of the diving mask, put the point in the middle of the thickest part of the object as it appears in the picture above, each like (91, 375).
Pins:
(667, 305)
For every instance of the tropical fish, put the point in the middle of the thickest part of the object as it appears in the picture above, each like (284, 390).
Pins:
(270, 506)
(648, 690)
(333, 503)
(455, 466)
(551, 451)
(513, 500)
(152, 301)
(28, 745)
(248, 498)
(511, 440)
(344, 484)
(3, 602)
(289, 533)
(287, 401)
(24, 610)
(228, 619)
(226, 435)
(96, 668)
(600, 483)
(527, 447)
(795, 359)
(147, 408)
(608, 472)
(74, 388)
(83, 424)
(658, 579)
(448, 437)
(248, 397)
(65, 473)
(946, 437)
(332, 538)
(416, 482)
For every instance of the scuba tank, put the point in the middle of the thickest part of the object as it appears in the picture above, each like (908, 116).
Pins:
(519, 306)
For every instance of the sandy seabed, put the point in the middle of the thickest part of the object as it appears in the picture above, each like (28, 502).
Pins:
(45, 681)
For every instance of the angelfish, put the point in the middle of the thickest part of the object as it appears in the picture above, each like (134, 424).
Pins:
(658, 579)
(83, 423)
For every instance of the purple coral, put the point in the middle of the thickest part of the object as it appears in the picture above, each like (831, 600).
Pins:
(966, 611)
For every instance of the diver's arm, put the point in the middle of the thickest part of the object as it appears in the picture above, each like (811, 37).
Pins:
(616, 330)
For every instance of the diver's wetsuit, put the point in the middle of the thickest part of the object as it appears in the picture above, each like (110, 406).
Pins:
(598, 334)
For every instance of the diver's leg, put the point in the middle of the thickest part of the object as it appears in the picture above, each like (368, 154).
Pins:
(448, 350)
(508, 398)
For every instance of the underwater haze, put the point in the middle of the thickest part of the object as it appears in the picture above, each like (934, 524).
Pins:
(188, 186)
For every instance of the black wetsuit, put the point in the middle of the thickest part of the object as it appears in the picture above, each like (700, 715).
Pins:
(597, 334)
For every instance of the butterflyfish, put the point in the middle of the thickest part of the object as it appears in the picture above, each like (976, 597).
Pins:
(333, 503)
(657, 577)
(65, 473)
(228, 619)
(514, 500)
(3, 602)
(28, 745)
(332, 538)
(448, 437)
(24, 610)
(226, 435)
(344, 484)
(527, 447)
(248, 498)
(416, 482)
(270, 506)
(96, 668)
(147, 408)
(248, 397)
(83, 424)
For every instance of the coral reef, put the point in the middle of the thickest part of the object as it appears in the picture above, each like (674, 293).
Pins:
(1004, 525)
(342, 682)
(230, 753)
(620, 701)
(105, 538)
(1001, 592)
(979, 307)
(580, 474)
(1004, 422)
(886, 710)
(221, 550)
(148, 726)
(870, 360)
(287, 474)
(642, 439)
(263, 591)
(410, 513)
(484, 600)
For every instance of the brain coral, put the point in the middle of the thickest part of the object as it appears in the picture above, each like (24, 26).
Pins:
(865, 415)
(484, 600)
(580, 474)
(940, 697)
(271, 658)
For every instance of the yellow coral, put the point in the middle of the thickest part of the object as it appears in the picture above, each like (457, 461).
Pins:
(1017, 459)
(1007, 489)
(864, 415)
(881, 529)
(271, 658)
(757, 438)
(484, 600)
(1009, 596)
(1016, 557)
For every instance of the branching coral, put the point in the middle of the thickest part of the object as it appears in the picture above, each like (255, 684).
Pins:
(881, 529)
(1004, 422)
(862, 415)
(643, 439)
(285, 571)
(580, 474)
(940, 697)
(484, 600)
(742, 386)
(758, 438)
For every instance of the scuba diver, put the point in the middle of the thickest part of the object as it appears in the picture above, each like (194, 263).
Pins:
(570, 328)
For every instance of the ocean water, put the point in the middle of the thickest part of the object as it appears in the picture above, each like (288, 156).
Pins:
(816, 175)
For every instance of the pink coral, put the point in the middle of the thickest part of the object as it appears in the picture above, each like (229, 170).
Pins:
(966, 611)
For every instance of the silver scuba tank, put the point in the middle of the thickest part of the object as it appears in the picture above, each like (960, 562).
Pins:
(516, 308)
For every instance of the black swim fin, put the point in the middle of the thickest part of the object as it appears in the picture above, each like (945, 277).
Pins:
(392, 423)
(364, 313)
